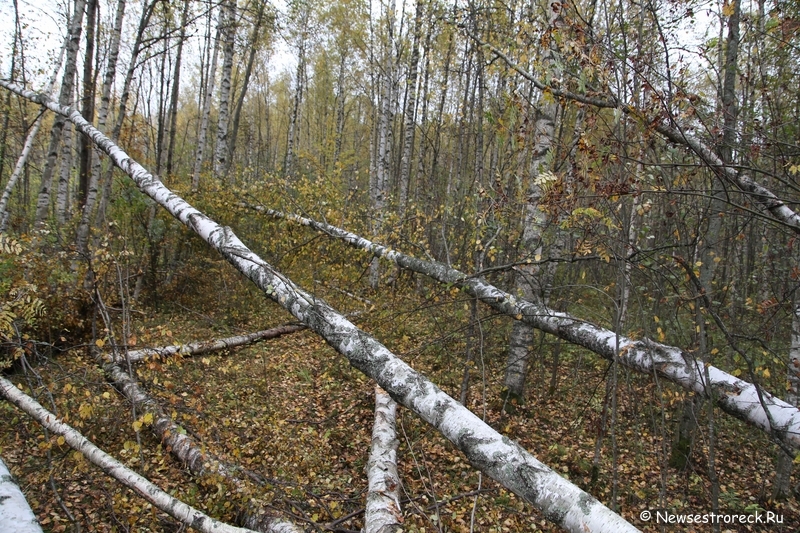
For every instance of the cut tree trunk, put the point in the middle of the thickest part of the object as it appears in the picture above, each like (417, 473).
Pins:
(15, 513)
(382, 513)
(737, 397)
(198, 348)
(487, 450)
(172, 506)
(199, 462)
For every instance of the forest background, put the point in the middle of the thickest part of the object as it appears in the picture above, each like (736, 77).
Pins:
(628, 168)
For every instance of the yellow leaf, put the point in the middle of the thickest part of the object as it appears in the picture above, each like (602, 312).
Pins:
(85, 411)
(60, 440)
(766, 372)
(106, 395)
(137, 425)
(728, 9)
(148, 418)
(99, 343)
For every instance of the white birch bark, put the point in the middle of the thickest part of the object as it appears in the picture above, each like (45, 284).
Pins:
(15, 513)
(535, 220)
(149, 491)
(379, 185)
(409, 124)
(499, 457)
(737, 397)
(198, 348)
(202, 135)
(67, 84)
(228, 34)
(382, 513)
(781, 488)
(62, 193)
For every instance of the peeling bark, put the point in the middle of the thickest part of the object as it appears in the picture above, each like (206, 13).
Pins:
(197, 348)
(172, 506)
(499, 457)
(382, 513)
(15, 513)
(746, 401)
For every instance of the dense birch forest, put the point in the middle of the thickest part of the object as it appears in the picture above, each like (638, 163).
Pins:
(383, 266)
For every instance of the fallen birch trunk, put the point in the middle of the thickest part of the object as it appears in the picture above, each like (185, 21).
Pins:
(174, 439)
(15, 513)
(382, 513)
(746, 401)
(172, 506)
(499, 457)
(198, 348)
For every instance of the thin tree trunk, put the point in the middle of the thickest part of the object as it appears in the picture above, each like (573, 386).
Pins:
(202, 135)
(176, 85)
(534, 221)
(409, 126)
(87, 103)
(62, 193)
(199, 348)
(64, 98)
(781, 487)
(228, 35)
(248, 71)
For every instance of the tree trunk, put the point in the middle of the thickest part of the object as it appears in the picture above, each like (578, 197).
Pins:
(248, 71)
(176, 85)
(382, 513)
(87, 103)
(198, 348)
(64, 98)
(409, 125)
(561, 501)
(15, 513)
(534, 221)
(781, 488)
(228, 35)
(62, 192)
(743, 400)
(202, 135)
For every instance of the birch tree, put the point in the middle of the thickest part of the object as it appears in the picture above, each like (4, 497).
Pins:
(150, 492)
(497, 456)
(64, 97)
(743, 400)
(534, 220)
(15, 513)
(228, 36)
(210, 78)
(82, 234)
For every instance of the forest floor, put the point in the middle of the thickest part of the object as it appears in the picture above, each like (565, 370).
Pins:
(295, 413)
